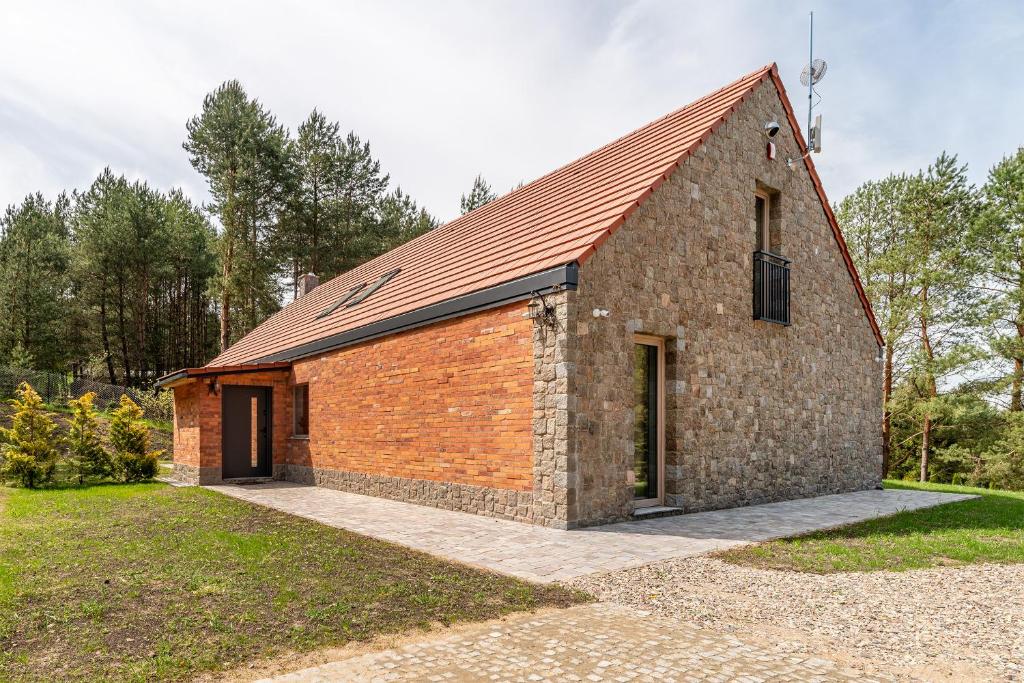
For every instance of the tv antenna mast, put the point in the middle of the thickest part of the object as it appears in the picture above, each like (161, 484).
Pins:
(810, 76)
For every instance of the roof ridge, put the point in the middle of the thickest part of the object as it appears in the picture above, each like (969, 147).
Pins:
(757, 72)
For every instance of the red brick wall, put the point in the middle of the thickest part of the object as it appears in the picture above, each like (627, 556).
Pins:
(186, 424)
(197, 417)
(448, 402)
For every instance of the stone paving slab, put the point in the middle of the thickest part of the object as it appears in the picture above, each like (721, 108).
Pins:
(547, 555)
(597, 642)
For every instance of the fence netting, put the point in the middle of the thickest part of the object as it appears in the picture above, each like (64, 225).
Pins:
(59, 388)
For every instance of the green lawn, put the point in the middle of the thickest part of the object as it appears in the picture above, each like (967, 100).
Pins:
(147, 581)
(986, 529)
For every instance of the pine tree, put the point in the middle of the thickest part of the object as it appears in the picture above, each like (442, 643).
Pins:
(942, 208)
(129, 439)
(998, 238)
(86, 455)
(20, 357)
(246, 158)
(874, 222)
(402, 220)
(34, 281)
(29, 449)
(314, 211)
(479, 195)
(143, 262)
(189, 325)
(360, 188)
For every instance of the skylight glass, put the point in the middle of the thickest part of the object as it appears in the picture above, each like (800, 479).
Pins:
(381, 281)
(338, 304)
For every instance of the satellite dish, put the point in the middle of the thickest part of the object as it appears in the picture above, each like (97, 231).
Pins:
(813, 72)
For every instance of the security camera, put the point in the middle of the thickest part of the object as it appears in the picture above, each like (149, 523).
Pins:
(772, 128)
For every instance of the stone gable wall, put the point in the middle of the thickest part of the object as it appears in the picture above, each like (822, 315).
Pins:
(755, 412)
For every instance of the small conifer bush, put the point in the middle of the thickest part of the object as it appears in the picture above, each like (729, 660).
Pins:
(87, 457)
(129, 438)
(29, 448)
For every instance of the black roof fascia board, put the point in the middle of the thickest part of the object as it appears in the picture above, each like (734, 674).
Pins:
(214, 372)
(562, 277)
(173, 377)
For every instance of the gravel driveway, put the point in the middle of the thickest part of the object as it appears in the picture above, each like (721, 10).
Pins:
(950, 623)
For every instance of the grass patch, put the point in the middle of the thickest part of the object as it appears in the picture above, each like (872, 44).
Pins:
(147, 581)
(986, 529)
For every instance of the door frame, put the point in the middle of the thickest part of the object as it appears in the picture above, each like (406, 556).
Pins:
(268, 446)
(659, 343)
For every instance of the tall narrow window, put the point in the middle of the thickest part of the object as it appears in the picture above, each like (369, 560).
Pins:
(300, 409)
(762, 207)
(648, 421)
(254, 444)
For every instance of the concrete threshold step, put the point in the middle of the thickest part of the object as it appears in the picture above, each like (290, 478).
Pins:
(249, 480)
(655, 512)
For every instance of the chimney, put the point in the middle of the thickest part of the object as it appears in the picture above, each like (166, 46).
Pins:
(307, 283)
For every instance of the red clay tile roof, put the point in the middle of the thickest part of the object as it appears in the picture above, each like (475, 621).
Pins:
(558, 219)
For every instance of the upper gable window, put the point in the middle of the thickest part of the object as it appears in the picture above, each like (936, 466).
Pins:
(767, 222)
(771, 271)
(761, 203)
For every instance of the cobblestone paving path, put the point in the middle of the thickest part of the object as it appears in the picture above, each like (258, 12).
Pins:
(547, 555)
(597, 642)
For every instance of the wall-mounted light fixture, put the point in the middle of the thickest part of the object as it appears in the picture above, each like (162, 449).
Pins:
(601, 313)
(212, 386)
(539, 309)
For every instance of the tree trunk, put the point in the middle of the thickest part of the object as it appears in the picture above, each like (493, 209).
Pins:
(123, 331)
(105, 334)
(886, 412)
(225, 299)
(930, 387)
(1018, 365)
(926, 442)
(1015, 392)
(227, 265)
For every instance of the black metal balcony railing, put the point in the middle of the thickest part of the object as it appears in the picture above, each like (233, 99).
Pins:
(771, 288)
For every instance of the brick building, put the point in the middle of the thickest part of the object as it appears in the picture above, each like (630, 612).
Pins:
(672, 321)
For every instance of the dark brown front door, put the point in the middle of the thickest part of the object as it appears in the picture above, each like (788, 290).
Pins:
(245, 432)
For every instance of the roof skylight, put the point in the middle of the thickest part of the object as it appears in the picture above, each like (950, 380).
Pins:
(344, 298)
(381, 281)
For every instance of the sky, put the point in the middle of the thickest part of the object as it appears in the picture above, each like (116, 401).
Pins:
(512, 90)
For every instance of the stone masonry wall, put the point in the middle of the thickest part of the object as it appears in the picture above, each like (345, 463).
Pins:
(555, 476)
(755, 412)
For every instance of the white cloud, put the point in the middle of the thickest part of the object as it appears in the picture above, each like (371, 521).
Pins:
(446, 90)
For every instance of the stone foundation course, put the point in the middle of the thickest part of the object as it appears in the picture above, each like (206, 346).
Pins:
(503, 504)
